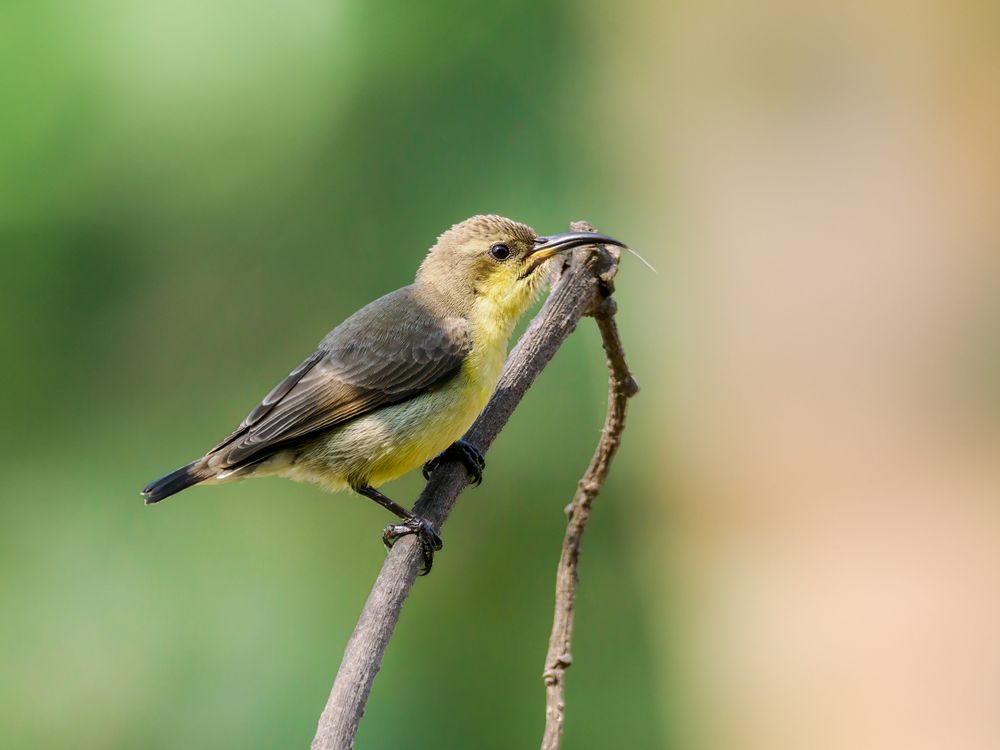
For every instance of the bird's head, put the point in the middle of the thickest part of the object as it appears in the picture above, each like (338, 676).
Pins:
(495, 261)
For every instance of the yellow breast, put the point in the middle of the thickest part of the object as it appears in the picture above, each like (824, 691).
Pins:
(394, 440)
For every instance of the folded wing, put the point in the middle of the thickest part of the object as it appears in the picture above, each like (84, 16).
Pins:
(388, 352)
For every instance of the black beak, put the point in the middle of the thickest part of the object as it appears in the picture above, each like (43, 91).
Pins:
(546, 247)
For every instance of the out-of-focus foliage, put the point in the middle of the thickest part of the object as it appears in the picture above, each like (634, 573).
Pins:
(191, 195)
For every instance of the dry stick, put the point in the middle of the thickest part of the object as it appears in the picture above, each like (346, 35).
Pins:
(621, 386)
(581, 282)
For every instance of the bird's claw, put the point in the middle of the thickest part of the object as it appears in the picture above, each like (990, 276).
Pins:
(465, 452)
(427, 535)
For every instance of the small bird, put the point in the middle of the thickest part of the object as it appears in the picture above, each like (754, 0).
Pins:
(399, 382)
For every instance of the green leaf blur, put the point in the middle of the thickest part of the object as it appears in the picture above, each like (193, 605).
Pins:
(191, 195)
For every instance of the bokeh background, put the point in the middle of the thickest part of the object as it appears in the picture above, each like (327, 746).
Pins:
(800, 543)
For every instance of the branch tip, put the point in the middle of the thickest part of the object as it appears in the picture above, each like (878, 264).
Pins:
(621, 387)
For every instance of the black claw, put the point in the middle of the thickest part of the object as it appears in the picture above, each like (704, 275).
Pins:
(427, 535)
(429, 467)
(462, 451)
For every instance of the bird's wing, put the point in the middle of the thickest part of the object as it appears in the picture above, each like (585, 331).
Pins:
(387, 352)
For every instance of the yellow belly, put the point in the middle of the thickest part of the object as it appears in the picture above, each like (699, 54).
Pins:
(394, 440)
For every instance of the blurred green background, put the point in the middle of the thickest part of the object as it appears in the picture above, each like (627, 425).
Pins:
(191, 195)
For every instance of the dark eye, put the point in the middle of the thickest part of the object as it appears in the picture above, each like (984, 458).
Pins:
(500, 251)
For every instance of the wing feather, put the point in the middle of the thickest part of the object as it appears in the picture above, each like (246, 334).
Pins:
(387, 352)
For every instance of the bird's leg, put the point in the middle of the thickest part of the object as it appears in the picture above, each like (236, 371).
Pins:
(465, 452)
(427, 535)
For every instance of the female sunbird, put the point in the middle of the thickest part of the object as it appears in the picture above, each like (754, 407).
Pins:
(399, 382)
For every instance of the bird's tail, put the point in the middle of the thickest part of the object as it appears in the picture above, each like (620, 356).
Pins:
(175, 481)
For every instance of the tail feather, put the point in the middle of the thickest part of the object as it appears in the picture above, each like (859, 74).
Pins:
(175, 481)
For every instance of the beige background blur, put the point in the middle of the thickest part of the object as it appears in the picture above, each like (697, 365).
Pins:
(829, 178)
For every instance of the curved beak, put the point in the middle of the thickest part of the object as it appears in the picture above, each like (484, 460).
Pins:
(551, 244)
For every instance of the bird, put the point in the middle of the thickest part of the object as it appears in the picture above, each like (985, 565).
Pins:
(397, 384)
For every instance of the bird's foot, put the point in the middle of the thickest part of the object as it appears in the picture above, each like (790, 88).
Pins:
(465, 452)
(427, 535)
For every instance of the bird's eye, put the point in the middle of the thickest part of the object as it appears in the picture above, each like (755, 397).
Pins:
(500, 251)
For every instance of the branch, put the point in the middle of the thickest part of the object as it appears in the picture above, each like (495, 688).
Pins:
(621, 386)
(577, 286)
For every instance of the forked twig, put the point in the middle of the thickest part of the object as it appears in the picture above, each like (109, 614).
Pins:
(621, 386)
(579, 286)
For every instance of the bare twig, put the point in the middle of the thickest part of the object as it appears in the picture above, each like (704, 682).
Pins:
(579, 284)
(621, 386)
